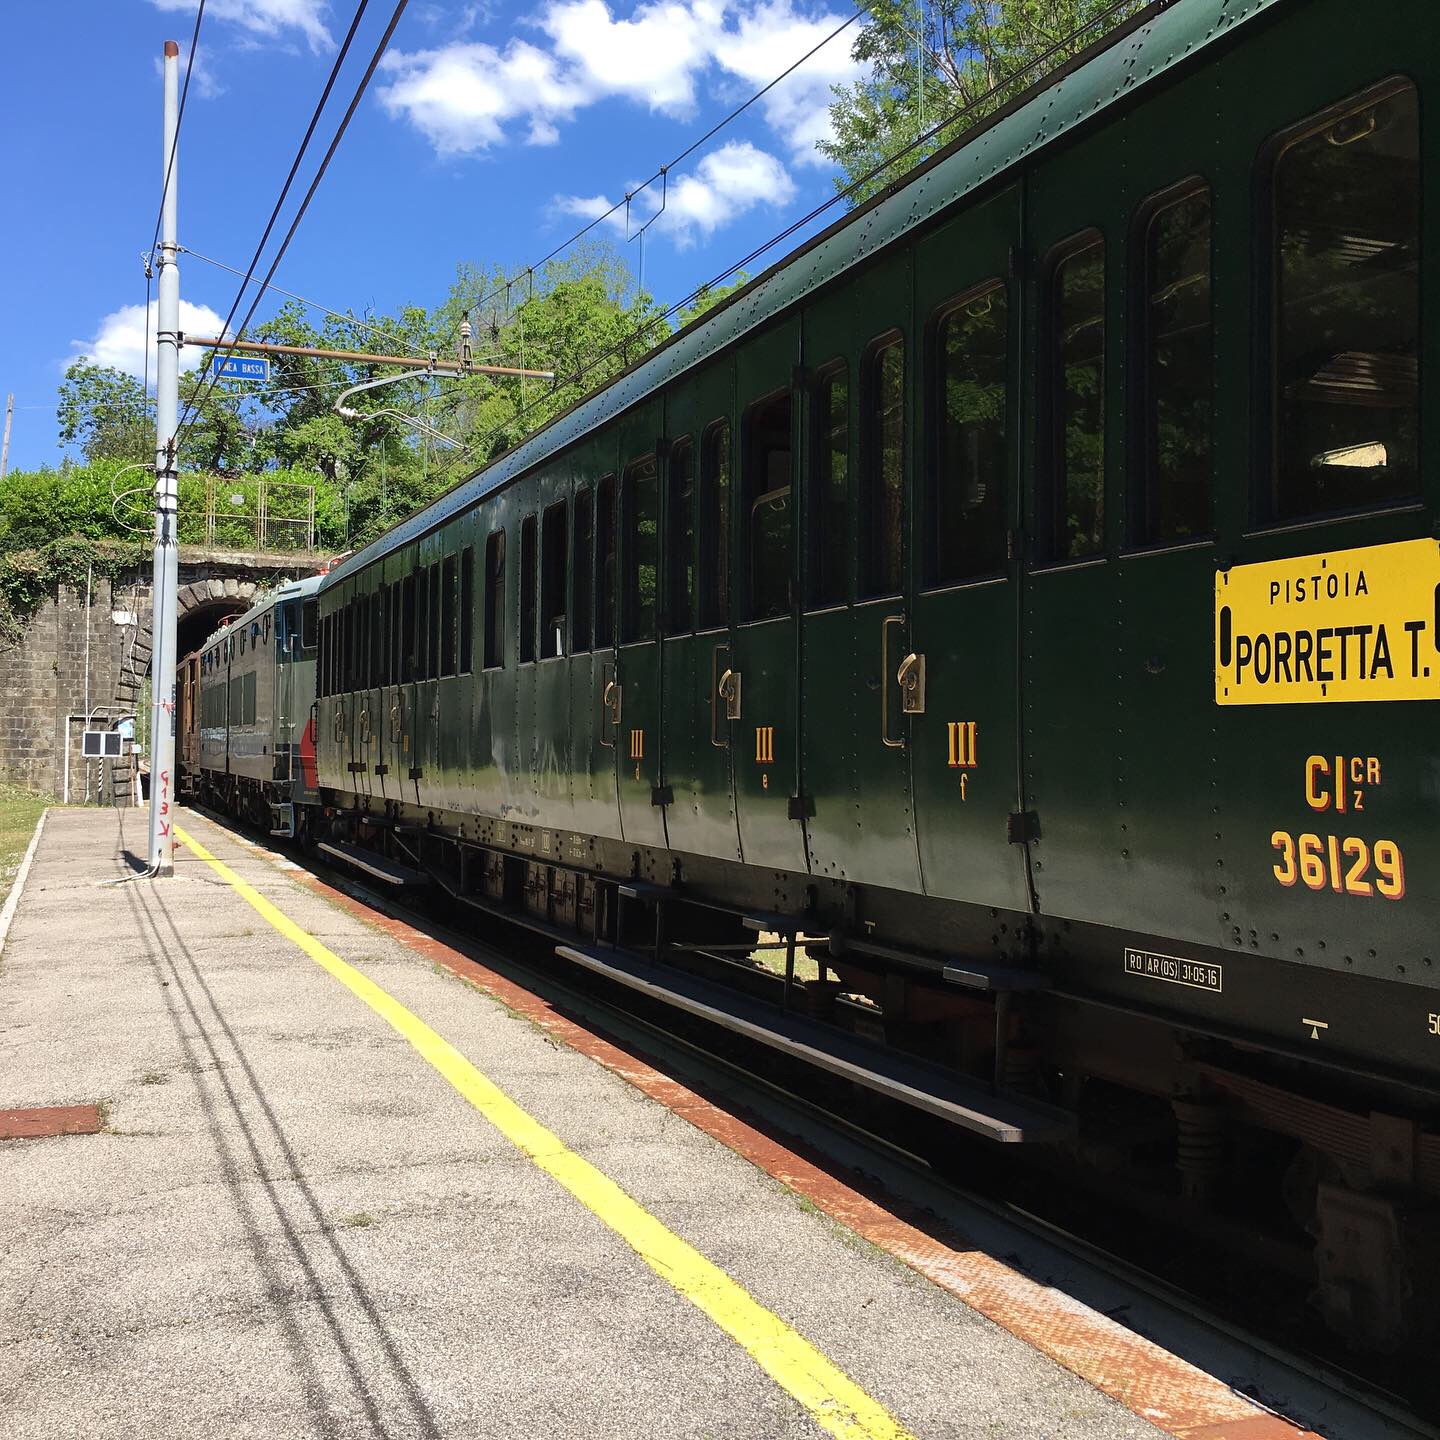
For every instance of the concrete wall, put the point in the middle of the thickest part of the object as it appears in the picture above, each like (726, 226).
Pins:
(46, 678)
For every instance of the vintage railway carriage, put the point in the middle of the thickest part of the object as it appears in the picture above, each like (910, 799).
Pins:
(252, 732)
(1030, 587)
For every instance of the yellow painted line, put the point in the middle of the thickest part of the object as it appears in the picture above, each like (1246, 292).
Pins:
(837, 1402)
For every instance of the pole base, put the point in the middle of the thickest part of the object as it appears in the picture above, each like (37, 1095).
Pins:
(164, 870)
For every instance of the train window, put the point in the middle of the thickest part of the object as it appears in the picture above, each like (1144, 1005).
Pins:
(1077, 402)
(605, 563)
(467, 610)
(389, 606)
(830, 488)
(1346, 307)
(527, 589)
(715, 526)
(769, 514)
(247, 702)
(965, 508)
(309, 614)
(642, 549)
(408, 654)
(236, 702)
(433, 631)
(882, 475)
(582, 569)
(555, 543)
(680, 539)
(495, 600)
(422, 623)
(377, 637)
(449, 631)
(394, 635)
(1175, 403)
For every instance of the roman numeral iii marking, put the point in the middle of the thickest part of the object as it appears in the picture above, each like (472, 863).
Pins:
(637, 744)
(961, 734)
(764, 744)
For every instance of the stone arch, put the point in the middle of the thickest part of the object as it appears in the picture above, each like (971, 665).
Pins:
(200, 600)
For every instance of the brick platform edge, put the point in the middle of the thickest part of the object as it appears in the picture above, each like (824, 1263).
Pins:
(1173, 1395)
(44, 1122)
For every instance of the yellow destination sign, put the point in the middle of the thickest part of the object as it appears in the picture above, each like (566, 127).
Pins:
(1350, 625)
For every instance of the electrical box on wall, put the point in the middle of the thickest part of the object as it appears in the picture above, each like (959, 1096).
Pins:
(102, 744)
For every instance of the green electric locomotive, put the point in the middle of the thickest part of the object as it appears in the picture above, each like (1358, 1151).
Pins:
(1023, 598)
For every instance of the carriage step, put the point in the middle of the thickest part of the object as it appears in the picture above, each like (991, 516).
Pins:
(967, 1103)
(972, 974)
(377, 866)
(282, 818)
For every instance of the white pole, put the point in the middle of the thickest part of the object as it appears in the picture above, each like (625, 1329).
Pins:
(5, 444)
(167, 405)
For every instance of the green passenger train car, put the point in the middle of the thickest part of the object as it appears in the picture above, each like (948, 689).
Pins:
(1029, 587)
(248, 740)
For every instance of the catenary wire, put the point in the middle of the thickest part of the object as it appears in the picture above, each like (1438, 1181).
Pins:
(339, 135)
(348, 316)
(179, 121)
(863, 9)
(284, 191)
(468, 450)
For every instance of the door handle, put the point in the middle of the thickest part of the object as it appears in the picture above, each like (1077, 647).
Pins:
(911, 679)
(337, 726)
(729, 691)
(885, 626)
(611, 700)
(716, 696)
(396, 722)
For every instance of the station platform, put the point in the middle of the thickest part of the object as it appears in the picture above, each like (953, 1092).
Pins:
(329, 1188)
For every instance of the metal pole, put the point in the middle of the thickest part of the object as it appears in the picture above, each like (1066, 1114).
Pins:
(5, 444)
(167, 405)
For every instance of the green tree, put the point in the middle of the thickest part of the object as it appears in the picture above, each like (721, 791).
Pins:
(103, 411)
(708, 297)
(948, 63)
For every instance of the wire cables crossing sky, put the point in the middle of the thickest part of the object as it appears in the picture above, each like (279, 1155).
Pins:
(662, 172)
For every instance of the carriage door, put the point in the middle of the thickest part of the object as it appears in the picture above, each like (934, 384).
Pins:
(858, 455)
(696, 763)
(758, 688)
(956, 681)
(635, 700)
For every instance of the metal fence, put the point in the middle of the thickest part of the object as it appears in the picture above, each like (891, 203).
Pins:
(254, 513)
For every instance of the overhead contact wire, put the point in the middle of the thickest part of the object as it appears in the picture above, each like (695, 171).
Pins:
(192, 404)
(622, 346)
(179, 121)
(679, 159)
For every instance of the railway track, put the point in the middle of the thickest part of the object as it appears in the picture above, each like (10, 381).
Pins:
(897, 1153)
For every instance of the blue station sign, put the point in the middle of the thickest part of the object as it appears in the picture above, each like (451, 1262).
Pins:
(240, 367)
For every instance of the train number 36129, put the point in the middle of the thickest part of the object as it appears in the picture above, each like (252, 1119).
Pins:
(1342, 865)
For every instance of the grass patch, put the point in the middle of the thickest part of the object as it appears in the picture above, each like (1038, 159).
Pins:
(19, 810)
(154, 1077)
(360, 1220)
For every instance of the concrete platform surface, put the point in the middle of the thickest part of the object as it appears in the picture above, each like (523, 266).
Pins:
(293, 1225)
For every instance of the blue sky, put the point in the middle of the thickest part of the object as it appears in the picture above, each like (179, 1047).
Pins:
(490, 135)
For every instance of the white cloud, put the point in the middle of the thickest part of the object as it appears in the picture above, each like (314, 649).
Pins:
(653, 58)
(460, 96)
(120, 339)
(723, 186)
(467, 97)
(205, 84)
(266, 18)
(772, 37)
